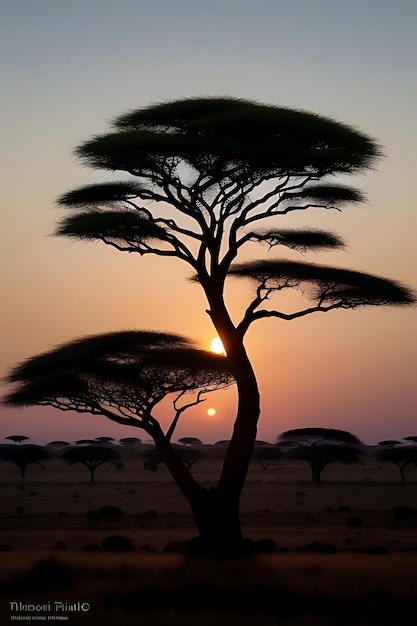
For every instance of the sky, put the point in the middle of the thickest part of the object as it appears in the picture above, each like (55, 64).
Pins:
(69, 68)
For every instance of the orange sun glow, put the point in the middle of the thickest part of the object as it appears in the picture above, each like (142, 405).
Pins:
(216, 346)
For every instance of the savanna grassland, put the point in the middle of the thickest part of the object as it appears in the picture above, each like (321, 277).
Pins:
(344, 553)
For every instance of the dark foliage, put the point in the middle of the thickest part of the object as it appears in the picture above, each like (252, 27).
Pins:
(327, 285)
(320, 447)
(400, 456)
(24, 455)
(91, 457)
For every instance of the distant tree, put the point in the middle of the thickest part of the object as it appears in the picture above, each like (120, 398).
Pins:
(24, 455)
(17, 438)
(104, 439)
(82, 442)
(267, 455)
(208, 178)
(401, 456)
(91, 456)
(189, 456)
(58, 444)
(130, 440)
(190, 441)
(389, 443)
(412, 438)
(311, 436)
(320, 447)
(152, 459)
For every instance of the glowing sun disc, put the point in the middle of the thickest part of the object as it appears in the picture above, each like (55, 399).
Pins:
(211, 412)
(216, 346)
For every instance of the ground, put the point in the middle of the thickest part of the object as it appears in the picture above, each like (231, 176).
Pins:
(369, 578)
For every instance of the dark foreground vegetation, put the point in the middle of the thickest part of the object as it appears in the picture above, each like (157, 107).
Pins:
(339, 552)
(172, 590)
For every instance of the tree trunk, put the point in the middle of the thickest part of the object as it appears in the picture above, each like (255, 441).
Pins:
(218, 523)
(216, 516)
(216, 511)
(92, 469)
(240, 450)
(316, 471)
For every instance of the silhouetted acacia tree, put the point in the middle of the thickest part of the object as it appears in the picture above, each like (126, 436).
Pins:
(266, 454)
(152, 459)
(130, 441)
(83, 442)
(210, 176)
(92, 457)
(17, 438)
(24, 455)
(187, 455)
(412, 438)
(190, 441)
(401, 456)
(190, 455)
(319, 447)
(124, 376)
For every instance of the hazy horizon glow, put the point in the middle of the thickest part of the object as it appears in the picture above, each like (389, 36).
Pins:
(71, 68)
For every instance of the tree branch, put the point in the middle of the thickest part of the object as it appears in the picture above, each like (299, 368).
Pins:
(250, 318)
(292, 316)
(179, 411)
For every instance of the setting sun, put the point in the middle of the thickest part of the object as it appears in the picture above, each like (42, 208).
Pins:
(216, 346)
(211, 412)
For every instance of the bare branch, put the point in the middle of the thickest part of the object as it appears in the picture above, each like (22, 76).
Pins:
(291, 316)
(180, 410)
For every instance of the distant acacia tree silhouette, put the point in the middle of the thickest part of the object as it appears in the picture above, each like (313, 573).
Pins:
(320, 447)
(17, 438)
(190, 455)
(152, 459)
(266, 454)
(210, 176)
(187, 455)
(190, 441)
(412, 438)
(24, 455)
(400, 455)
(92, 457)
(130, 440)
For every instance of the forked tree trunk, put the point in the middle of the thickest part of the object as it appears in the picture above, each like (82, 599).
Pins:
(316, 473)
(216, 511)
(216, 517)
